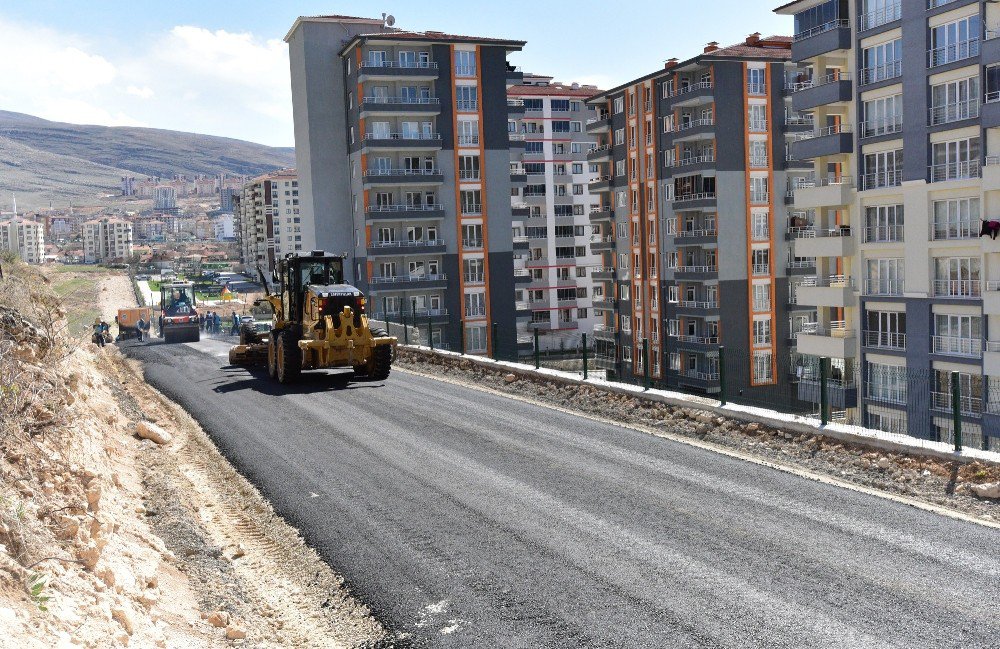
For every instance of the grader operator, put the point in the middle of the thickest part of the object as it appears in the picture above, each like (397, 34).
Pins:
(319, 323)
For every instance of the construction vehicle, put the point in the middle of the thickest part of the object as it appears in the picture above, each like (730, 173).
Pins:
(128, 321)
(178, 313)
(319, 322)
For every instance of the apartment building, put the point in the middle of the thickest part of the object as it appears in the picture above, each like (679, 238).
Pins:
(693, 215)
(266, 220)
(164, 198)
(23, 237)
(906, 104)
(404, 155)
(107, 241)
(551, 204)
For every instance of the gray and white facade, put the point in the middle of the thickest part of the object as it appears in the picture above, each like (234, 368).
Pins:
(553, 236)
(906, 169)
(404, 162)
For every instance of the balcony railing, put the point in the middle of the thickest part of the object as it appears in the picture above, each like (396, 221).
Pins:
(954, 112)
(700, 196)
(375, 173)
(884, 287)
(993, 285)
(967, 405)
(757, 88)
(692, 160)
(696, 269)
(472, 209)
(758, 161)
(474, 278)
(683, 90)
(953, 52)
(761, 269)
(515, 102)
(885, 126)
(759, 197)
(836, 329)
(799, 120)
(474, 244)
(761, 306)
(815, 82)
(954, 171)
(473, 140)
(391, 279)
(698, 304)
(407, 65)
(806, 183)
(874, 19)
(701, 376)
(957, 346)
(883, 233)
(820, 29)
(402, 136)
(407, 244)
(835, 281)
(405, 101)
(970, 289)
(882, 72)
(701, 340)
(682, 234)
(829, 130)
(885, 340)
(465, 70)
(426, 207)
(467, 105)
(695, 123)
(965, 229)
(881, 179)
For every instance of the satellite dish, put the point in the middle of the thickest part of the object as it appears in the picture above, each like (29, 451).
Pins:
(390, 20)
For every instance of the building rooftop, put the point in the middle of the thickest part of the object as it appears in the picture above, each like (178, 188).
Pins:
(389, 34)
(279, 174)
(332, 18)
(553, 89)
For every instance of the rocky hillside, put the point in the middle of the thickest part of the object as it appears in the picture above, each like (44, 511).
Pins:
(43, 160)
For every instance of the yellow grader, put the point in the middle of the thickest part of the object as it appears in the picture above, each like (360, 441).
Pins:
(319, 323)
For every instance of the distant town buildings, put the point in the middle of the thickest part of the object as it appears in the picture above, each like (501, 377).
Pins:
(164, 198)
(107, 240)
(267, 223)
(24, 238)
(128, 186)
(226, 195)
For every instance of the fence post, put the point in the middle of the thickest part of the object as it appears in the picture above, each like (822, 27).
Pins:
(824, 394)
(430, 336)
(406, 330)
(956, 409)
(385, 311)
(461, 337)
(584, 357)
(645, 362)
(538, 360)
(496, 328)
(722, 375)
(413, 307)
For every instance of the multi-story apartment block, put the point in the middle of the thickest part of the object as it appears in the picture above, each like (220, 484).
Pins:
(164, 198)
(551, 203)
(693, 215)
(906, 104)
(106, 241)
(404, 156)
(267, 223)
(25, 238)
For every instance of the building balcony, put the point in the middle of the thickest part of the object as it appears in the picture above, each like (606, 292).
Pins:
(514, 75)
(880, 180)
(399, 248)
(693, 129)
(824, 142)
(605, 332)
(991, 108)
(693, 94)
(884, 16)
(886, 340)
(964, 170)
(954, 52)
(968, 405)
(991, 298)
(834, 341)
(957, 346)
(695, 201)
(515, 106)
(696, 307)
(691, 163)
(600, 124)
(959, 289)
(602, 273)
(406, 141)
(600, 184)
(603, 304)
(382, 283)
(838, 242)
(883, 234)
(399, 70)
(694, 341)
(832, 88)
(520, 211)
(954, 112)
(991, 172)
(600, 154)
(824, 192)
(520, 244)
(695, 272)
(382, 177)
(824, 39)
(834, 291)
(522, 276)
(991, 360)
(841, 395)
(404, 212)
(435, 315)
(884, 288)
(605, 243)
(602, 214)
(879, 73)
(389, 106)
(696, 237)
(708, 381)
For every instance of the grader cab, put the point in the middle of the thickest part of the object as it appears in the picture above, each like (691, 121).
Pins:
(319, 323)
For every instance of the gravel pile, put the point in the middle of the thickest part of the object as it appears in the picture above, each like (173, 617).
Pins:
(932, 480)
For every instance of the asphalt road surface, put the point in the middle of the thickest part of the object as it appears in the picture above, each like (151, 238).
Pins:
(465, 519)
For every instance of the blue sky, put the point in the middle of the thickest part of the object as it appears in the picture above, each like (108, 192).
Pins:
(221, 68)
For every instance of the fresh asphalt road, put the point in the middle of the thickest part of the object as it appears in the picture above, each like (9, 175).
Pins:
(465, 519)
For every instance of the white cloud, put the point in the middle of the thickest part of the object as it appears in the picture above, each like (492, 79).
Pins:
(188, 78)
(144, 92)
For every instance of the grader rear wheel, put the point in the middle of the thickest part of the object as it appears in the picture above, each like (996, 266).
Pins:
(289, 357)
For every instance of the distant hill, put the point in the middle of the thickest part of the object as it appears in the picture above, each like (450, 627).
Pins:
(42, 160)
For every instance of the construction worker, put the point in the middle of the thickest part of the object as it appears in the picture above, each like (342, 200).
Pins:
(98, 336)
(139, 327)
(217, 322)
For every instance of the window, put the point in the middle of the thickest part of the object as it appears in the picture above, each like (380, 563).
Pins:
(761, 297)
(825, 16)
(885, 276)
(466, 99)
(618, 105)
(956, 219)
(560, 105)
(882, 61)
(476, 339)
(758, 189)
(475, 305)
(560, 126)
(576, 127)
(619, 136)
(954, 101)
(473, 270)
(882, 169)
(882, 116)
(619, 167)
(955, 160)
(762, 367)
(955, 40)
(886, 383)
(957, 276)
(465, 63)
(761, 331)
(884, 223)
(533, 147)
